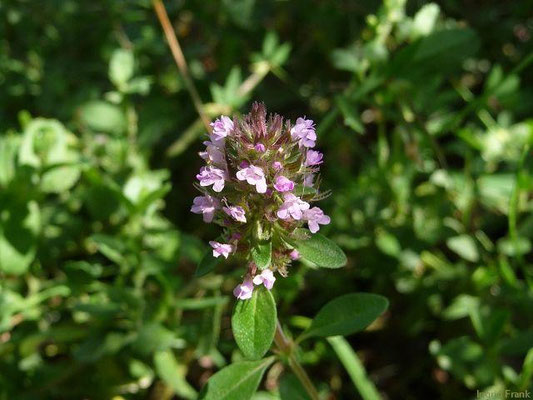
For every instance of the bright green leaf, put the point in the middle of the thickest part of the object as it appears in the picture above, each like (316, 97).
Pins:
(262, 254)
(321, 251)
(464, 246)
(237, 381)
(101, 116)
(121, 67)
(254, 323)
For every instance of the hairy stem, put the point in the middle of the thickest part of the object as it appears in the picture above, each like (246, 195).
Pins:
(286, 347)
(177, 53)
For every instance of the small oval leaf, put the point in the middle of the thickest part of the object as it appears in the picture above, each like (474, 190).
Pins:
(207, 264)
(262, 254)
(321, 251)
(237, 381)
(347, 314)
(254, 323)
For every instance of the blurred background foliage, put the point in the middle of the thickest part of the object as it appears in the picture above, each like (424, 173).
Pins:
(424, 114)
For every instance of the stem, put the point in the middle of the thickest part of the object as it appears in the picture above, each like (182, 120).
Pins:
(286, 347)
(175, 48)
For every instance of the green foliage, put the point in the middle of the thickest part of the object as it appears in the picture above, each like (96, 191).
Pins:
(254, 322)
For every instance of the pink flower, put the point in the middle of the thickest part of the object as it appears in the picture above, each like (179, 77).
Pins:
(313, 158)
(304, 132)
(206, 205)
(266, 278)
(283, 184)
(213, 154)
(243, 291)
(236, 212)
(294, 255)
(260, 147)
(316, 216)
(292, 207)
(308, 180)
(212, 176)
(276, 165)
(221, 249)
(222, 127)
(254, 176)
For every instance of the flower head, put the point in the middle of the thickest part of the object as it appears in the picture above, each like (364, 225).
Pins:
(206, 205)
(253, 166)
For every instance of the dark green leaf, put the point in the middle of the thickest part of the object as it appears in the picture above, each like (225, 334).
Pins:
(19, 225)
(290, 388)
(207, 264)
(347, 314)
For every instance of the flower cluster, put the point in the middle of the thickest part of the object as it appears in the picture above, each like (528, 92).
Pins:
(258, 183)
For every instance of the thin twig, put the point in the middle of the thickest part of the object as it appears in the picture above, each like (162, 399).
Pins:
(175, 48)
(286, 347)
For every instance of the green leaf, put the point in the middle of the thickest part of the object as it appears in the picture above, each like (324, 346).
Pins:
(354, 367)
(19, 226)
(351, 115)
(153, 337)
(237, 381)
(101, 116)
(439, 53)
(262, 254)
(464, 246)
(320, 250)
(290, 388)
(424, 20)
(347, 314)
(207, 264)
(121, 68)
(527, 371)
(173, 374)
(254, 323)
